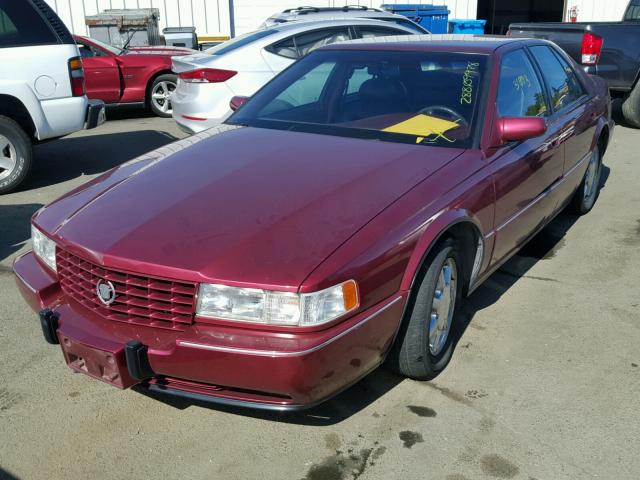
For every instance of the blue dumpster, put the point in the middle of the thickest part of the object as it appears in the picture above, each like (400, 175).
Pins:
(432, 17)
(467, 26)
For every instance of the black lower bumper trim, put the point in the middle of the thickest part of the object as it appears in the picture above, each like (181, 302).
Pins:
(95, 114)
(227, 402)
(137, 361)
(49, 324)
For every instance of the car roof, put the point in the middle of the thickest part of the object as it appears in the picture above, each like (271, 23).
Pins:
(310, 24)
(442, 42)
(299, 13)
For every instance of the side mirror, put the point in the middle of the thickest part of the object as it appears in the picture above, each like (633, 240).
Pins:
(237, 101)
(520, 128)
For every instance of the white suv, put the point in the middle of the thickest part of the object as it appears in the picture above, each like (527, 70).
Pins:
(42, 93)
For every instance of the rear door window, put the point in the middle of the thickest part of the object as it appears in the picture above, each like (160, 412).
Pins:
(520, 93)
(21, 25)
(373, 32)
(562, 81)
(299, 45)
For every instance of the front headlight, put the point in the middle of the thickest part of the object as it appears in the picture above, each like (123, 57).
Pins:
(44, 248)
(276, 308)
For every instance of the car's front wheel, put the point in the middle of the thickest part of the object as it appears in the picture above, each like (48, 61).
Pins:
(15, 155)
(160, 94)
(426, 339)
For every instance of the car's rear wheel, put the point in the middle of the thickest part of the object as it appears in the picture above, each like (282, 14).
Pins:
(585, 197)
(426, 339)
(160, 94)
(15, 155)
(631, 107)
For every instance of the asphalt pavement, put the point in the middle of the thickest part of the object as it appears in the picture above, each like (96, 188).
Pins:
(544, 383)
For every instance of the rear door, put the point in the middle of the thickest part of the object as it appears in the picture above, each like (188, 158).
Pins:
(523, 172)
(573, 117)
(102, 74)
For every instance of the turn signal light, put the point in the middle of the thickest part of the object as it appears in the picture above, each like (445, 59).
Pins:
(207, 75)
(591, 48)
(76, 75)
(350, 295)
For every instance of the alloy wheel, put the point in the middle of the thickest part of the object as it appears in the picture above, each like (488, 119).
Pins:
(443, 307)
(161, 96)
(8, 157)
(592, 177)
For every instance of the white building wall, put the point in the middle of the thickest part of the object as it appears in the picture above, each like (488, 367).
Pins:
(597, 10)
(211, 17)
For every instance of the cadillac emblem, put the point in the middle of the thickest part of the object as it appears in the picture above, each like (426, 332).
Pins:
(106, 292)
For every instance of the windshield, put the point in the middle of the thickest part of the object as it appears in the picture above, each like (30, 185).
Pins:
(106, 46)
(633, 11)
(426, 98)
(240, 41)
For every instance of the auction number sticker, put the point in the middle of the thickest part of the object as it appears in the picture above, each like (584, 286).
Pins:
(470, 74)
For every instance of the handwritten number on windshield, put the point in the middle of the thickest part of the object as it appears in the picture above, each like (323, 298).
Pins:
(467, 83)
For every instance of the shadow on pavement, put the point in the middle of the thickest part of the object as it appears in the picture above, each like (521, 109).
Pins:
(15, 227)
(70, 157)
(4, 475)
(543, 246)
(124, 113)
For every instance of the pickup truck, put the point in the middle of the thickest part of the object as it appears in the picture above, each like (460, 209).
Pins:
(42, 88)
(607, 49)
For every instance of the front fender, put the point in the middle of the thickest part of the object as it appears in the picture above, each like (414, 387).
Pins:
(434, 230)
(600, 126)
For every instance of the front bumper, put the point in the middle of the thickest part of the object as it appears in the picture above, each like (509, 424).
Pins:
(96, 114)
(220, 364)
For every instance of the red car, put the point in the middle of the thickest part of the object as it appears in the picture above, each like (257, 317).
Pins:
(134, 76)
(335, 221)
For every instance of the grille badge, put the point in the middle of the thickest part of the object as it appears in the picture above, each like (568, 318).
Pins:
(106, 292)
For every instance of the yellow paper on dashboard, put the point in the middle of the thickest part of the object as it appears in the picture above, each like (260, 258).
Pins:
(422, 126)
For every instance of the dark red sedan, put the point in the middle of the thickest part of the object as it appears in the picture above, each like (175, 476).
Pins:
(335, 221)
(137, 76)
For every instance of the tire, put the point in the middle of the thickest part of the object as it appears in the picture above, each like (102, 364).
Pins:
(15, 155)
(415, 354)
(585, 197)
(631, 107)
(161, 88)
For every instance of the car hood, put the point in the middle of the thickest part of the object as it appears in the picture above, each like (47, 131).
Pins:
(238, 205)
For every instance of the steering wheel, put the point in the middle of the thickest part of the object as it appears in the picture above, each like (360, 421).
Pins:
(450, 112)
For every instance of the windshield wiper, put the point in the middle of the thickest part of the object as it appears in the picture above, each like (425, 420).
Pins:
(132, 32)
